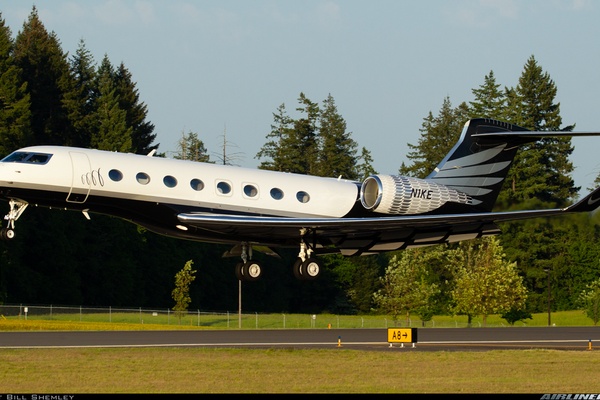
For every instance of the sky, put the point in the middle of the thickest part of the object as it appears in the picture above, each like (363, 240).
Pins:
(221, 68)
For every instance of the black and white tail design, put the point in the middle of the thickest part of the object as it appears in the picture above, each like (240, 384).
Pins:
(479, 162)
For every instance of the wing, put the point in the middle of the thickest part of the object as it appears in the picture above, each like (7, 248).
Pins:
(355, 236)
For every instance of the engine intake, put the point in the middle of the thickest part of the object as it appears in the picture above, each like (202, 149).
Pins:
(401, 195)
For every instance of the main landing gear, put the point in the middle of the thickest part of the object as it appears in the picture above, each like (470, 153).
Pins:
(16, 209)
(305, 268)
(247, 270)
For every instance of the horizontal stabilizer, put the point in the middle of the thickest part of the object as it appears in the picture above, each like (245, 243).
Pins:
(587, 204)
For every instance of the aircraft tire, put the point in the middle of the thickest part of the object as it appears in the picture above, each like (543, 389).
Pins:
(7, 234)
(297, 268)
(251, 271)
(311, 269)
(239, 271)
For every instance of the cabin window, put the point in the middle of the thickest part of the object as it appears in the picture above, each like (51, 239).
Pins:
(142, 178)
(170, 181)
(223, 187)
(115, 175)
(29, 158)
(302, 197)
(277, 194)
(197, 184)
(250, 190)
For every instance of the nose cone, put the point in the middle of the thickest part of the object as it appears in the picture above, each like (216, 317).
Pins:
(8, 173)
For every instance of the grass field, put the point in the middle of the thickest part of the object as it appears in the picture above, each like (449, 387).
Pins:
(144, 320)
(336, 370)
(197, 370)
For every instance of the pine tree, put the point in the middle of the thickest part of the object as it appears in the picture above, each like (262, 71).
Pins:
(541, 170)
(337, 156)
(272, 151)
(113, 132)
(190, 147)
(46, 70)
(293, 144)
(490, 101)
(365, 165)
(14, 98)
(538, 178)
(142, 136)
(438, 135)
(80, 101)
(303, 143)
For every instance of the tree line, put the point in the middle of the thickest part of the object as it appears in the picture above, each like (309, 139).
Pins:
(50, 97)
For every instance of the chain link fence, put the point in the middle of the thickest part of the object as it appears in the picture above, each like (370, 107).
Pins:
(221, 320)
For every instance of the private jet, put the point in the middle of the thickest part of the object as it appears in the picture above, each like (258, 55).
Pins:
(262, 210)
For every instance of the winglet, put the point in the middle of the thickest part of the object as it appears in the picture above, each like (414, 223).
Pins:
(589, 203)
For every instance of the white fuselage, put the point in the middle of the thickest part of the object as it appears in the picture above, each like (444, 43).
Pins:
(84, 173)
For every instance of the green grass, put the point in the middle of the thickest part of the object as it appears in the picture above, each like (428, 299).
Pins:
(335, 370)
(141, 320)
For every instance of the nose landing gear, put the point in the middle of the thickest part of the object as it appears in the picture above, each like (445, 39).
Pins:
(16, 209)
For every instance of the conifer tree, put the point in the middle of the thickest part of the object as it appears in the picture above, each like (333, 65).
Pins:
(541, 170)
(190, 147)
(80, 101)
(438, 135)
(112, 133)
(337, 156)
(539, 178)
(293, 144)
(490, 101)
(14, 98)
(273, 152)
(303, 144)
(46, 70)
(365, 165)
(136, 112)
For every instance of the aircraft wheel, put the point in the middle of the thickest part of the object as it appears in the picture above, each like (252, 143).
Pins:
(311, 269)
(308, 270)
(251, 270)
(7, 233)
(239, 271)
(297, 268)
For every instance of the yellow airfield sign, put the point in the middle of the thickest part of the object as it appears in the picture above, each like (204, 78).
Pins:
(402, 335)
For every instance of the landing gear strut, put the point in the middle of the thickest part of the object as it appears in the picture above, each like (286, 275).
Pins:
(305, 268)
(16, 209)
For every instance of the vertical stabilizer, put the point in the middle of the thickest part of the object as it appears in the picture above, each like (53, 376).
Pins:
(478, 166)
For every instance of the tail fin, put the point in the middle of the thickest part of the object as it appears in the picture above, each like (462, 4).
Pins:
(479, 162)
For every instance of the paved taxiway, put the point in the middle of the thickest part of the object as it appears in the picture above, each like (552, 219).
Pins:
(429, 339)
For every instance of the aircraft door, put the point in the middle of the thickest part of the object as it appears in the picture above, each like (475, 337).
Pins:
(81, 178)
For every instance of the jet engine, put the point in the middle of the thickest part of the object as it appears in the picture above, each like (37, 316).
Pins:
(402, 195)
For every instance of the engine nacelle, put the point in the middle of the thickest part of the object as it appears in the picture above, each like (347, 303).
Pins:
(400, 195)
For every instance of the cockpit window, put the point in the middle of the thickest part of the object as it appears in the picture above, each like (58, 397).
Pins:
(26, 157)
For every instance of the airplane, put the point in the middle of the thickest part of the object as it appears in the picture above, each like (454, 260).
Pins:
(264, 210)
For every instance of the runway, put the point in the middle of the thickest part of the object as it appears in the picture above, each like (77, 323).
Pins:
(429, 339)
